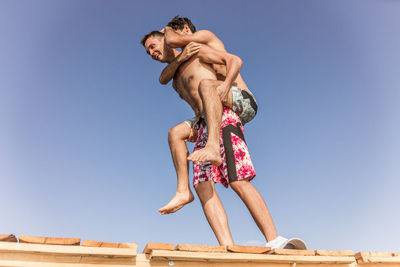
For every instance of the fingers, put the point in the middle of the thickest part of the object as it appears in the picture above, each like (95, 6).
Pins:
(189, 52)
(193, 45)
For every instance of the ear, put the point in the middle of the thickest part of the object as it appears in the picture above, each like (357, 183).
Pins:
(186, 28)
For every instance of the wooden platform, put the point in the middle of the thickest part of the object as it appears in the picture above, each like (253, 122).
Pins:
(68, 252)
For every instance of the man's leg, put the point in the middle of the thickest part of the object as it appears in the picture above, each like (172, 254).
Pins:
(215, 212)
(212, 106)
(257, 207)
(179, 152)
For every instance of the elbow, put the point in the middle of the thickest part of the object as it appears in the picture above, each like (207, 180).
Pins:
(234, 61)
(174, 41)
(238, 61)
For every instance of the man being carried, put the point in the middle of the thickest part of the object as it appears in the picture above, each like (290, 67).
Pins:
(236, 169)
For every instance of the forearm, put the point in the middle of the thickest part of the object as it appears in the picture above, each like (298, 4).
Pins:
(233, 66)
(178, 40)
(169, 71)
(174, 39)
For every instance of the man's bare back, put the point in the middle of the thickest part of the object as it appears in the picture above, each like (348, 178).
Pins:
(212, 41)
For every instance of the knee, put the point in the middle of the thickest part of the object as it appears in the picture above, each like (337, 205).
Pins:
(173, 134)
(179, 133)
(239, 186)
(205, 86)
(205, 191)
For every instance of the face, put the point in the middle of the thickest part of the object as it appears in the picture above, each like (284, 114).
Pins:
(155, 48)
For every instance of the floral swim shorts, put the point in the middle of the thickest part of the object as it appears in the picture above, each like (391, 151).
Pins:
(236, 162)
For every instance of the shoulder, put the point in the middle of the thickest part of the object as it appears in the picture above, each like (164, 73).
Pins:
(206, 33)
(211, 39)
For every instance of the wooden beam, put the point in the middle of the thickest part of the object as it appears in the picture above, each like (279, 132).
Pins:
(244, 257)
(66, 250)
(377, 257)
(91, 243)
(281, 251)
(248, 249)
(49, 240)
(158, 246)
(374, 254)
(334, 253)
(8, 238)
(201, 248)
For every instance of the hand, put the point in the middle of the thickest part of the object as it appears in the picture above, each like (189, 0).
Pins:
(163, 30)
(191, 49)
(193, 135)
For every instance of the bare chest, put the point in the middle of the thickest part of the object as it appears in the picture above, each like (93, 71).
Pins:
(186, 72)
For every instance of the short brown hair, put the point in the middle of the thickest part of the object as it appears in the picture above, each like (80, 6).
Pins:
(151, 34)
(177, 23)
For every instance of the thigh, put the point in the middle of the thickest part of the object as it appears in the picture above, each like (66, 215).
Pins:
(237, 164)
(227, 100)
(181, 130)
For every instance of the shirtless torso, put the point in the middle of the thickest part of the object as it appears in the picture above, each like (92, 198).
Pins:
(187, 78)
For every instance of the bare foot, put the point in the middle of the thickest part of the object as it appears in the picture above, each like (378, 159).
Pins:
(207, 154)
(177, 202)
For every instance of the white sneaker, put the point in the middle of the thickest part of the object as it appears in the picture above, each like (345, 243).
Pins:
(278, 242)
(281, 242)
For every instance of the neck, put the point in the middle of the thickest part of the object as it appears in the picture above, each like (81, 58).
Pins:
(174, 54)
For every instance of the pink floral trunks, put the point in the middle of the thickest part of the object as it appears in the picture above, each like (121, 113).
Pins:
(236, 162)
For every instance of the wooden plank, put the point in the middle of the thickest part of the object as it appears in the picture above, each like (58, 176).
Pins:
(375, 257)
(49, 240)
(128, 245)
(158, 246)
(4, 263)
(200, 248)
(65, 259)
(91, 243)
(374, 254)
(163, 255)
(8, 238)
(300, 252)
(334, 253)
(360, 255)
(248, 249)
(66, 250)
(376, 260)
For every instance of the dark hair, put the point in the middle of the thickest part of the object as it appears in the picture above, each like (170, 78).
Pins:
(177, 23)
(151, 34)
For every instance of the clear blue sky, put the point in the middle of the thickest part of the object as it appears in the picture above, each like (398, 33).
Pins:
(84, 121)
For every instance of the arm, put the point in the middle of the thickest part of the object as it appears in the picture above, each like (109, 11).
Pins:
(233, 64)
(169, 71)
(174, 39)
